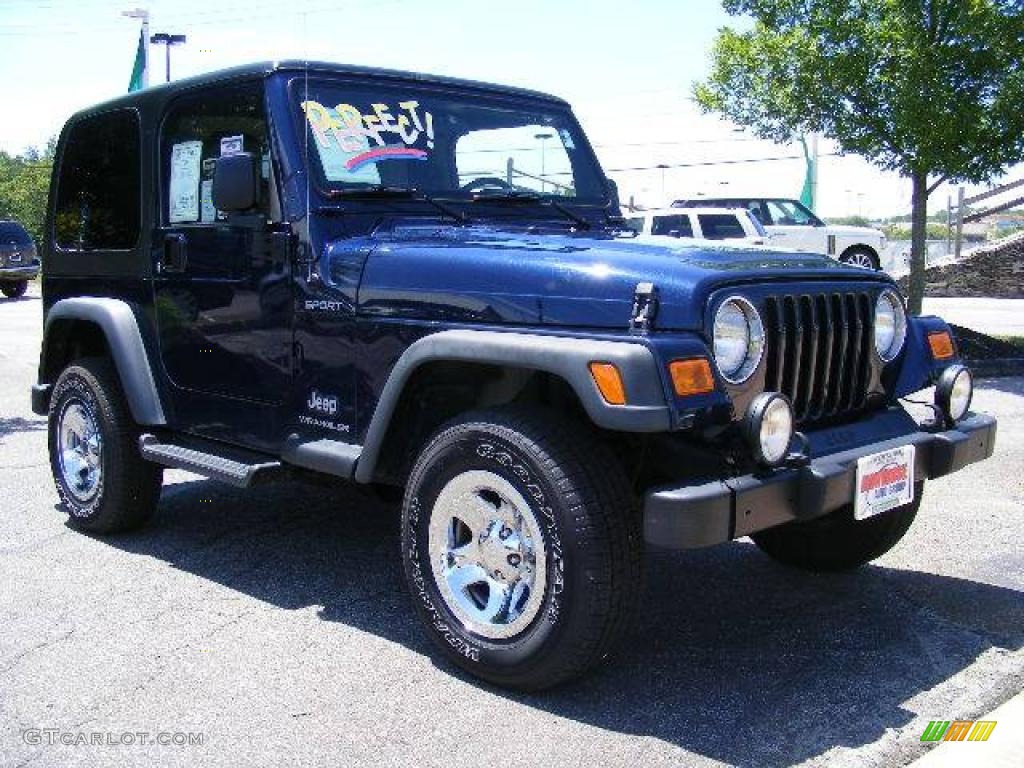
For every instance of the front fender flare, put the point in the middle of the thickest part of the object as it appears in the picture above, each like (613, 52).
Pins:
(646, 411)
(117, 321)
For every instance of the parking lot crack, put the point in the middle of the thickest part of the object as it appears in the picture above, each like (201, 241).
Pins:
(18, 657)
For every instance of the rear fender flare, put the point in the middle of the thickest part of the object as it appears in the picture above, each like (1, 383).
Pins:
(121, 330)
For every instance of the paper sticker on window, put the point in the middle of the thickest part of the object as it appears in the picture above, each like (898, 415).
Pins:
(207, 213)
(566, 139)
(351, 144)
(183, 195)
(230, 145)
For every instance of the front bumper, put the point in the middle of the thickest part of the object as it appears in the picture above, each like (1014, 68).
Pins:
(698, 516)
(27, 272)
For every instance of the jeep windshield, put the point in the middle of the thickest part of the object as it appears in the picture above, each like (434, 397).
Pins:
(444, 144)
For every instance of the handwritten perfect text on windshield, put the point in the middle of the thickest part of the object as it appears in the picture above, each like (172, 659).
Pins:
(364, 138)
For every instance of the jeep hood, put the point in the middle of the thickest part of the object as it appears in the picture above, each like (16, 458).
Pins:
(482, 274)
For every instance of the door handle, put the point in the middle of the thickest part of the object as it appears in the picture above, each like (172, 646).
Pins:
(175, 255)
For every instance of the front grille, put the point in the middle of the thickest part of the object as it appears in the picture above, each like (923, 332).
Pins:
(818, 352)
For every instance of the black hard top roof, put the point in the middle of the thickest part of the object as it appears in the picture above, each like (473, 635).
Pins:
(164, 91)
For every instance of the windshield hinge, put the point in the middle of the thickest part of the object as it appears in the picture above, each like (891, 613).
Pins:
(645, 307)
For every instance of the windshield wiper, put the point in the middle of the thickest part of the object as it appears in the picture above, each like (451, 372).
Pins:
(519, 196)
(385, 192)
(581, 222)
(376, 190)
(505, 196)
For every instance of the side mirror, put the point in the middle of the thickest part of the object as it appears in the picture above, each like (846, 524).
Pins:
(236, 182)
(675, 233)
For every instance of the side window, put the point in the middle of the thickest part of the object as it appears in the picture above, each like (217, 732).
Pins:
(786, 214)
(756, 209)
(720, 226)
(98, 205)
(678, 225)
(198, 129)
(636, 223)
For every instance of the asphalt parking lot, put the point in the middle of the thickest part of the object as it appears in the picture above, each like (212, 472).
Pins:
(274, 624)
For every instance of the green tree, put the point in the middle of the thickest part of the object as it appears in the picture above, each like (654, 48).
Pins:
(931, 89)
(24, 186)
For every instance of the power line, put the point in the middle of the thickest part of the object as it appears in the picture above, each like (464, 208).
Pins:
(665, 166)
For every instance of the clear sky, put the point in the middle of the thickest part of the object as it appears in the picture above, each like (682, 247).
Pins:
(627, 68)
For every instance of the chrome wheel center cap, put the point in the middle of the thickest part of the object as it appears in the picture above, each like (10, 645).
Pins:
(501, 552)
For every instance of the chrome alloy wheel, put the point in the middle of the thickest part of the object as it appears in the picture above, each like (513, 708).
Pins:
(487, 554)
(80, 450)
(860, 259)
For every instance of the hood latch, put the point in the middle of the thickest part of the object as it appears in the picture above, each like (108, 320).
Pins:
(645, 307)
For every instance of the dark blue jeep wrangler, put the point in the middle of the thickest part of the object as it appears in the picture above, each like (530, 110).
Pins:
(424, 284)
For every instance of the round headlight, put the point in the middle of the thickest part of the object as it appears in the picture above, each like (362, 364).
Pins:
(769, 427)
(738, 339)
(890, 325)
(954, 391)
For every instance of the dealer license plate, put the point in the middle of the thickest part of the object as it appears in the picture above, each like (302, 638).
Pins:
(884, 481)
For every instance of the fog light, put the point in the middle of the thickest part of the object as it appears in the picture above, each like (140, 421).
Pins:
(769, 427)
(954, 391)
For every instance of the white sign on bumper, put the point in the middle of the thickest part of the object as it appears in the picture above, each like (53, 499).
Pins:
(884, 481)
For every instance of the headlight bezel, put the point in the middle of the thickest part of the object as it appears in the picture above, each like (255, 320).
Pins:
(899, 325)
(754, 346)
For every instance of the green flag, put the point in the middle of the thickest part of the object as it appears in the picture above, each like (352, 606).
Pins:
(807, 193)
(135, 84)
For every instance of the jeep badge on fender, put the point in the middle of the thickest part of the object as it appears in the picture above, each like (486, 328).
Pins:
(373, 275)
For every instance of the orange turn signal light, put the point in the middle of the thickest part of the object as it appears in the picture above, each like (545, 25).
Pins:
(692, 377)
(609, 382)
(941, 345)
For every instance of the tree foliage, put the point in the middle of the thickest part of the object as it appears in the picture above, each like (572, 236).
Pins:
(931, 89)
(24, 185)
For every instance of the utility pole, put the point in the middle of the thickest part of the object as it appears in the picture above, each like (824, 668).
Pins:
(949, 224)
(143, 14)
(167, 40)
(959, 221)
(542, 137)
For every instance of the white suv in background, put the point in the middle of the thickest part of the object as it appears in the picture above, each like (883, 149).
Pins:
(736, 225)
(792, 225)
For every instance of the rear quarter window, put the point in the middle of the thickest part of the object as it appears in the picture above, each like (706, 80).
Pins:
(98, 204)
(720, 226)
(636, 223)
(678, 226)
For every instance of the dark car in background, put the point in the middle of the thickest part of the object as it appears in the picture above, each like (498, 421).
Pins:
(19, 261)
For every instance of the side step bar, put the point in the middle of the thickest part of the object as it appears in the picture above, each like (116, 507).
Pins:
(237, 468)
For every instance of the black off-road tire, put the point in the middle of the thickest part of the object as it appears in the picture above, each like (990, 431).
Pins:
(853, 255)
(14, 290)
(129, 487)
(590, 525)
(836, 541)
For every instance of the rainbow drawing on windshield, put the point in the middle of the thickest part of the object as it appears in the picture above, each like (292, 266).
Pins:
(356, 162)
